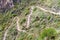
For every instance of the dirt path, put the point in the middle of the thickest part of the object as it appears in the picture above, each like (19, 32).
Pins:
(28, 20)
(5, 34)
(47, 10)
(31, 10)
(18, 25)
(29, 17)
(43, 9)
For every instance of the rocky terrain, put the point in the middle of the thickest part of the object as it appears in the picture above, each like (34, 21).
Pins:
(7, 4)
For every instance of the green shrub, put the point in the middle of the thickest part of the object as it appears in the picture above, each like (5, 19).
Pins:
(23, 20)
(48, 32)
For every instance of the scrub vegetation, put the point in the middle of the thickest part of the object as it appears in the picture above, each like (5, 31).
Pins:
(31, 20)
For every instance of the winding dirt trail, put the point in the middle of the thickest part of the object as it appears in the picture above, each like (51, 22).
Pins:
(29, 17)
(5, 34)
(58, 13)
(18, 25)
(31, 11)
(28, 20)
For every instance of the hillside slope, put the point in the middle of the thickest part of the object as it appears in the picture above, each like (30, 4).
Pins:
(31, 20)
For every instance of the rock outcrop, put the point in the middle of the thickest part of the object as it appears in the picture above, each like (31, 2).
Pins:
(6, 4)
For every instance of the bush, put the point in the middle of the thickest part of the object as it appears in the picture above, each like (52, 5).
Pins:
(49, 33)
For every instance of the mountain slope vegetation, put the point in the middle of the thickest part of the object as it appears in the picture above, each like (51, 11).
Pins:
(31, 20)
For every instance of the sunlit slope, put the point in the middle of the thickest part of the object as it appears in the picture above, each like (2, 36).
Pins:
(39, 21)
(14, 22)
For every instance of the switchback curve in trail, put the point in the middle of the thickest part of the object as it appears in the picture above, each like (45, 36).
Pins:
(45, 10)
(28, 20)
(18, 25)
(41, 8)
